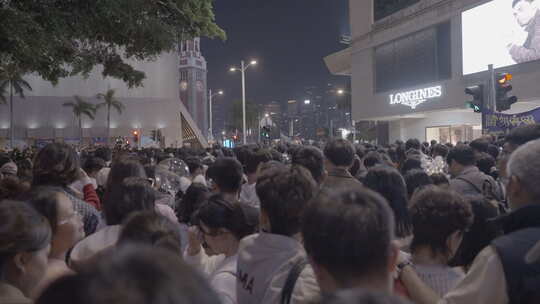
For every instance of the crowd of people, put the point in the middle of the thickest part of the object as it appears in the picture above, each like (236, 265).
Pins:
(408, 222)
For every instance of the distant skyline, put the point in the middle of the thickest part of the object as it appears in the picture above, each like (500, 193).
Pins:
(289, 38)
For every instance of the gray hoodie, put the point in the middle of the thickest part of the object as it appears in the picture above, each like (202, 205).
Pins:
(264, 262)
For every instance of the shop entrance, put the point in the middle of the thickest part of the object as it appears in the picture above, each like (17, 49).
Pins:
(453, 133)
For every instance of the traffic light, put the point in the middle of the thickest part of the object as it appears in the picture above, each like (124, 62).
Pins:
(135, 136)
(265, 132)
(502, 88)
(477, 93)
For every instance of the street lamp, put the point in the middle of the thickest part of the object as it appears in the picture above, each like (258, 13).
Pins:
(307, 101)
(242, 69)
(340, 92)
(210, 96)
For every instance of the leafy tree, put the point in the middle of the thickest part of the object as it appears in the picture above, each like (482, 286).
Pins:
(81, 107)
(251, 115)
(11, 77)
(109, 101)
(58, 38)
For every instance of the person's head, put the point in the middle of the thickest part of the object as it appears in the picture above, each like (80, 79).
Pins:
(440, 150)
(66, 224)
(339, 153)
(481, 232)
(9, 169)
(131, 195)
(223, 224)
(412, 143)
(104, 153)
(439, 219)
(493, 150)
(152, 229)
(416, 180)
(226, 174)
(486, 163)
(312, 159)
(372, 159)
(440, 180)
(517, 137)
(356, 248)
(191, 201)
(255, 158)
(25, 238)
(133, 274)
(523, 172)
(195, 165)
(479, 146)
(460, 157)
(524, 11)
(412, 162)
(11, 187)
(56, 164)
(362, 296)
(390, 184)
(122, 168)
(92, 166)
(284, 193)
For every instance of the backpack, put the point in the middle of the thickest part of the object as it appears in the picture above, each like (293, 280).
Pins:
(290, 282)
(489, 192)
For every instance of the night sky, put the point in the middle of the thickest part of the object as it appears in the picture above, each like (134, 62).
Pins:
(289, 38)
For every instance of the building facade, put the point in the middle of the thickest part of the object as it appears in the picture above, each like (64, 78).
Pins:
(409, 70)
(193, 83)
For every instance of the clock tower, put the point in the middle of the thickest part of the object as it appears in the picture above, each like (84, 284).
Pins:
(193, 82)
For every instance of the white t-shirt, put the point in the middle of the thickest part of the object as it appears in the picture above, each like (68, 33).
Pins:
(248, 195)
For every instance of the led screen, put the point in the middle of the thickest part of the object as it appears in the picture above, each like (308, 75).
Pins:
(502, 33)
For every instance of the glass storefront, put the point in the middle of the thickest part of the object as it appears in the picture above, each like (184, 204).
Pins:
(453, 134)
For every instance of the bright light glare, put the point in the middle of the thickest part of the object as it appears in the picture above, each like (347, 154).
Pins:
(220, 92)
(266, 115)
(340, 92)
(307, 101)
(233, 69)
(253, 62)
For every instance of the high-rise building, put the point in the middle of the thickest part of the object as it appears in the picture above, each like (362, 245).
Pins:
(193, 85)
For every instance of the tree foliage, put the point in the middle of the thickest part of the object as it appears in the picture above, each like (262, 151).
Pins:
(251, 115)
(110, 101)
(58, 38)
(81, 108)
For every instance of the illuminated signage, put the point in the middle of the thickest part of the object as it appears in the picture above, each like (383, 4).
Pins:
(415, 97)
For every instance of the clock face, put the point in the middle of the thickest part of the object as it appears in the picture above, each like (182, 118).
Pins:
(183, 85)
(200, 86)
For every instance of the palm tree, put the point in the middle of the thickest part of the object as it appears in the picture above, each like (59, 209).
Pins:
(81, 107)
(110, 101)
(11, 77)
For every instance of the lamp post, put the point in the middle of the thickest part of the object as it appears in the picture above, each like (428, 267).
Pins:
(243, 68)
(342, 92)
(210, 96)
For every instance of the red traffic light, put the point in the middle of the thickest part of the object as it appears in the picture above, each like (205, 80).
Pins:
(504, 78)
(135, 132)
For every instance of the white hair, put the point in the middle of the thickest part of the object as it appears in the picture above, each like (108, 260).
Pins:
(524, 163)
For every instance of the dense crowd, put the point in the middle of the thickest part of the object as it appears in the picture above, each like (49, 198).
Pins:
(341, 223)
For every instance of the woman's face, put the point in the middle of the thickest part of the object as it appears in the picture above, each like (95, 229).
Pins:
(70, 227)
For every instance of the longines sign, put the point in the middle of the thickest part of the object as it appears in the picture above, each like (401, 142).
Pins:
(416, 97)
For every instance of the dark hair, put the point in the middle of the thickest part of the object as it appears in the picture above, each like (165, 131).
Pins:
(150, 228)
(284, 194)
(45, 200)
(523, 134)
(193, 164)
(358, 231)
(339, 152)
(485, 163)
(480, 145)
(227, 173)
(416, 179)
(390, 184)
(462, 154)
(372, 159)
(440, 150)
(104, 153)
(22, 229)
(132, 194)
(122, 168)
(57, 164)
(218, 213)
(439, 179)
(254, 158)
(493, 150)
(481, 232)
(93, 164)
(355, 168)
(195, 194)
(411, 163)
(436, 213)
(363, 296)
(412, 143)
(133, 274)
(312, 159)
(11, 187)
